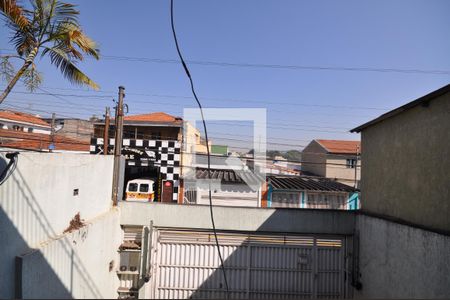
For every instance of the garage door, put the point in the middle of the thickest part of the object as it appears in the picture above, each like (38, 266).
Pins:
(185, 264)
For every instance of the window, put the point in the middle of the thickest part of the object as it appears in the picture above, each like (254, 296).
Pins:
(133, 187)
(30, 129)
(351, 163)
(143, 188)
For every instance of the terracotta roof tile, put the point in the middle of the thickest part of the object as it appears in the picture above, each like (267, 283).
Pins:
(22, 117)
(341, 147)
(158, 117)
(39, 141)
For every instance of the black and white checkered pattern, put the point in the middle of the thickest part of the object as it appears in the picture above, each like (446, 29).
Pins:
(164, 154)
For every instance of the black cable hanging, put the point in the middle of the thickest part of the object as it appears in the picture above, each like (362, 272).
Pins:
(207, 147)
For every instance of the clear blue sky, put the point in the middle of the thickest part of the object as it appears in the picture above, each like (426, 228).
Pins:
(376, 34)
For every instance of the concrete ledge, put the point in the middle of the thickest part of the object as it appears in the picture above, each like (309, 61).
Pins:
(306, 221)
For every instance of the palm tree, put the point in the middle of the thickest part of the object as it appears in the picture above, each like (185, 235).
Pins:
(50, 28)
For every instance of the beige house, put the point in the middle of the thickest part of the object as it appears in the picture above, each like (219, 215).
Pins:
(335, 159)
(407, 161)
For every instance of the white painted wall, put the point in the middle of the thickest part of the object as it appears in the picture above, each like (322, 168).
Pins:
(37, 201)
(36, 129)
(76, 264)
(230, 195)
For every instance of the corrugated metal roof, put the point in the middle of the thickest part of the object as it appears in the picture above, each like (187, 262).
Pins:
(308, 183)
(227, 176)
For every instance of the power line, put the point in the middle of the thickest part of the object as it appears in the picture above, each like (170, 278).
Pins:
(214, 99)
(263, 160)
(287, 126)
(277, 66)
(273, 66)
(207, 144)
(285, 112)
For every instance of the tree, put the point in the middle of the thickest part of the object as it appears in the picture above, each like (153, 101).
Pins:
(50, 28)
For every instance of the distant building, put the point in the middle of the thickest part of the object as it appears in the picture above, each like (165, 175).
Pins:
(41, 142)
(19, 130)
(334, 159)
(310, 192)
(406, 162)
(74, 128)
(228, 188)
(157, 146)
(219, 149)
(20, 121)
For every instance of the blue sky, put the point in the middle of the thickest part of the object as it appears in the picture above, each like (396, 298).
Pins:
(301, 104)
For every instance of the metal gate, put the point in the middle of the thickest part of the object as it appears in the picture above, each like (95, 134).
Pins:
(185, 264)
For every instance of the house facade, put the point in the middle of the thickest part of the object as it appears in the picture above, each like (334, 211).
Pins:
(310, 192)
(74, 128)
(406, 162)
(334, 159)
(228, 188)
(23, 122)
(25, 131)
(156, 146)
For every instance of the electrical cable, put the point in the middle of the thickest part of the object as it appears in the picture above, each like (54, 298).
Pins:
(207, 147)
(207, 98)
(272, 66)
(10, 167)
(70, 140)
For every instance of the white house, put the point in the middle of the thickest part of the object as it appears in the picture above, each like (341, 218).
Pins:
(20, 121)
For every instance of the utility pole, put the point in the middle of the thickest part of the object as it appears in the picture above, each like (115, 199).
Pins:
(118, 145)
(52, 134)
(356, 167)
(106, 133)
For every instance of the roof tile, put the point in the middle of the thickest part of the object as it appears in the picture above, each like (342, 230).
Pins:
(158, 117)
(22, 117)
(341, 147)
(39, 141)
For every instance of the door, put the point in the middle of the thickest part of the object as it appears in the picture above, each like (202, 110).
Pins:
(185, 265)
(167, 191)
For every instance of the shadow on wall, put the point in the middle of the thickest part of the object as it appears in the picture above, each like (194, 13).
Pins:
(258, 266)
(13, 244)
(23, 225)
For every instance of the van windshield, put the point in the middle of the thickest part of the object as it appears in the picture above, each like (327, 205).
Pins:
(144, 188)
(132, 187)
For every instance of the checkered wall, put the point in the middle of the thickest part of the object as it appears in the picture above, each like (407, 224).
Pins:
(164, 154)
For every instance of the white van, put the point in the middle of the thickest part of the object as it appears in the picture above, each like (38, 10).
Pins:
(140, 190)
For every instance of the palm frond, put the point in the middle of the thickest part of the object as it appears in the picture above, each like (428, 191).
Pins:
(23, 42)
(69, 33)
(86, 44)
(61, 59)
(14, 13)
(65, 12)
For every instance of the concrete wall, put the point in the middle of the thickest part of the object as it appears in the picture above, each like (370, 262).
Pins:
(399, 261)
(406, 165)
(315, 154)
(336, 168)
(77, 129)
(239, 218)
(230, 195)
(76, 264)
(37, 201)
